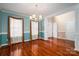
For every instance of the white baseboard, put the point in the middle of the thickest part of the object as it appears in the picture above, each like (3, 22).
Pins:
(61, 38)
(66, 39)
(76, 49)
(27, 40)
(4, 45)
(7, 44)
(41, 38)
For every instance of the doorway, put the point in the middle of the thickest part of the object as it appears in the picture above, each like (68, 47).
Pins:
(34, 30)
(16, 34)
(55, 30)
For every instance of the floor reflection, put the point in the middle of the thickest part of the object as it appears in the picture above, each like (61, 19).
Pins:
(51, 47)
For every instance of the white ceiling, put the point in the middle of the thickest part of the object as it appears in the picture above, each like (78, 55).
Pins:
(29, 8)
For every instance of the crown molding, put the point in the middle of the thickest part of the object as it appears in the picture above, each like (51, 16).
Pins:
(64, 10)
(13, 12)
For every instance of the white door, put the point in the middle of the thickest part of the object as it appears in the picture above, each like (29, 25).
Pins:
(55, 30)
(34, 30)
(48, 28)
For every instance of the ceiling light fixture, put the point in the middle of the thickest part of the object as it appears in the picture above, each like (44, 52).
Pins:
(36, 17)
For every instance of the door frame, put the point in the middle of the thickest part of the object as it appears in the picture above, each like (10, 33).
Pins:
(31, 30)
(9, 37)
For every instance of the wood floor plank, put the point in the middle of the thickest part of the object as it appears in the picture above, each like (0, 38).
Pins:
(39, 47)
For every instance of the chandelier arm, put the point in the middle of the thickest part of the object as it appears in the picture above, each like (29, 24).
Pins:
(36, 17)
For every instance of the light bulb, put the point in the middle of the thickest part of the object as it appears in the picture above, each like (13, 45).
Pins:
(34, 16)
(30, 17)
(40, 17)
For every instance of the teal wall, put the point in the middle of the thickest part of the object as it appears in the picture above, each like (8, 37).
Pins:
(4, 21)
(0, 39)
(41, 35)
(0, 28)
(4, 26)
(41, 25)
(0, 23)
(26, 24)
(41, 28)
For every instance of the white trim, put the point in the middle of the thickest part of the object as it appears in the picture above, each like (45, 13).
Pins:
(24, 32)
(24, 40)
(27, 40)
(7, 44)
(7, 33)
(13, 12)
(63, 11)
(4, 45)
(61, 38)
(27, 32)
(64, 38)
(41, 38)
(76, 49)
(3, 33)
(41, 31)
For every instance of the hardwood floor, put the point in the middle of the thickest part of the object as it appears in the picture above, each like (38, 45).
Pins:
(39, 47)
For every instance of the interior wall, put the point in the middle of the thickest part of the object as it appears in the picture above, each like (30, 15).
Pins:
(4, 26)
(55, 27)
(0, 28)
(41, 28)
(66, 25)
(72, 27)
(48, 28)
(77, 29)
(4, 31)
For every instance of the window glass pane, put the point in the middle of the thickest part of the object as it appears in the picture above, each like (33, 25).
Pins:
(16, 30)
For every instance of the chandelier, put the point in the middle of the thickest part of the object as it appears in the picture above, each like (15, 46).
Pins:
(36, 17)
